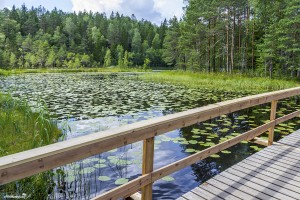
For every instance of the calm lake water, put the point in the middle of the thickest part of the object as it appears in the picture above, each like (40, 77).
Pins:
(85, 103)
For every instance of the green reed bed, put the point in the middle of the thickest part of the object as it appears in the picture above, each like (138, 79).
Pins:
(70, 70)
(219, 81)
(21, 129)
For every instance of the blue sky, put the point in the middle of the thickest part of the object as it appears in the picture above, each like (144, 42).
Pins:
(153, 10)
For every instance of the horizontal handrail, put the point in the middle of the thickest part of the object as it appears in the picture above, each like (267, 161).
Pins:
(27, 163)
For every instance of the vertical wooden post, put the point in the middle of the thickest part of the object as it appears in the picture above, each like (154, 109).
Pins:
(272, 117)
(148, 161)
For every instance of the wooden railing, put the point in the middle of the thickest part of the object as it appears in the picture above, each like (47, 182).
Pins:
(27, 163)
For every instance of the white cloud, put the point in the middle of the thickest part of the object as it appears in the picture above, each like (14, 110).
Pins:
(153, 10)
(169, 8)
(97, 5)
(2, 3)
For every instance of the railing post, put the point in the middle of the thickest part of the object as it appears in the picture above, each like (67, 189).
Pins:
(148, 161)
(272, 117)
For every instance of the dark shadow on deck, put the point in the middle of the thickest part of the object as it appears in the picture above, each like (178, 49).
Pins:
(272, 173)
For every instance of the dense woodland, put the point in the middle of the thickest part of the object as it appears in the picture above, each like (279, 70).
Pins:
(250, 36)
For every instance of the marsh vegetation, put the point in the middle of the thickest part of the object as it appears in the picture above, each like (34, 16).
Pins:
(22, 129)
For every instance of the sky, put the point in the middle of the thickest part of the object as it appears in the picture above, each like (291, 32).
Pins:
(152, 10)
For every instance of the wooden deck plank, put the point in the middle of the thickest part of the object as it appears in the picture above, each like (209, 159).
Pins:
(291, 144)
(262, 193)
(289, 141)
(181, 198)
(283, 156)
(266, 194)
(292, 136)
(284, 153)
(262, 185)
(290, 150)
(293, 150)
(276, 170)
(277, 181)
(218, 192)
(205, 194)
(272, 173)
(244, 188)
(191, 195)
(228, 189)
(265, 160)
(268, 173)
(278, 166)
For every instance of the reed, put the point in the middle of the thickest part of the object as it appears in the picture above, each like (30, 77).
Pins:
(21, 129)
(67, 70)
(219, 81)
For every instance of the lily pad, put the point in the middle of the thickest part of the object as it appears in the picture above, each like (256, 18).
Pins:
(168, 178)
(193, 141)
(100, 166)
(104, 178)
(89, 160)
(112, 157)
(226, 152)
(184, 142)
(215, 156)
(102, 161)
(121, 181)
(190, 150)
(87, 170)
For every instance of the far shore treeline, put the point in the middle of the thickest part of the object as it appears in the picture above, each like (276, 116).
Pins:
(248, 36)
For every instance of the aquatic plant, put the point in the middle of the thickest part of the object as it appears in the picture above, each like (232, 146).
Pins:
(219, 81)
(21, 129)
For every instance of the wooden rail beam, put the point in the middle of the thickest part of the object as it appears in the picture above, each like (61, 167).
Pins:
(260, 141)
(272, 117)
(127, 189)
(287, 117)
(147, 166)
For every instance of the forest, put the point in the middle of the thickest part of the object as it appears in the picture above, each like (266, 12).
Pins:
(261, 38)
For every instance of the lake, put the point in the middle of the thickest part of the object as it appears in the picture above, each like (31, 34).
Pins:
(85, 103)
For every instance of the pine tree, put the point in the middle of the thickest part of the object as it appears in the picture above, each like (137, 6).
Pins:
(107, 58)
(170, 45)
(126, 62)
(120, 55)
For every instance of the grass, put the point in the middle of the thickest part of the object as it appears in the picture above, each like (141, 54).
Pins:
(66, 70)
(21, 130)
(219, 81)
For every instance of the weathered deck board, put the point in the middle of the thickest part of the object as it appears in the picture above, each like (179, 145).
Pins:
(272, 173)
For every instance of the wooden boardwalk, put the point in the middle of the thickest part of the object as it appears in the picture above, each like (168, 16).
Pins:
(272, 173)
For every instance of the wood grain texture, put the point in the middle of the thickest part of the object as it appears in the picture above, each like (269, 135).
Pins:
(147, 166)
(272, 117)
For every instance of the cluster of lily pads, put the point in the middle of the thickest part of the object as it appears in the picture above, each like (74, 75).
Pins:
(85, 96)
